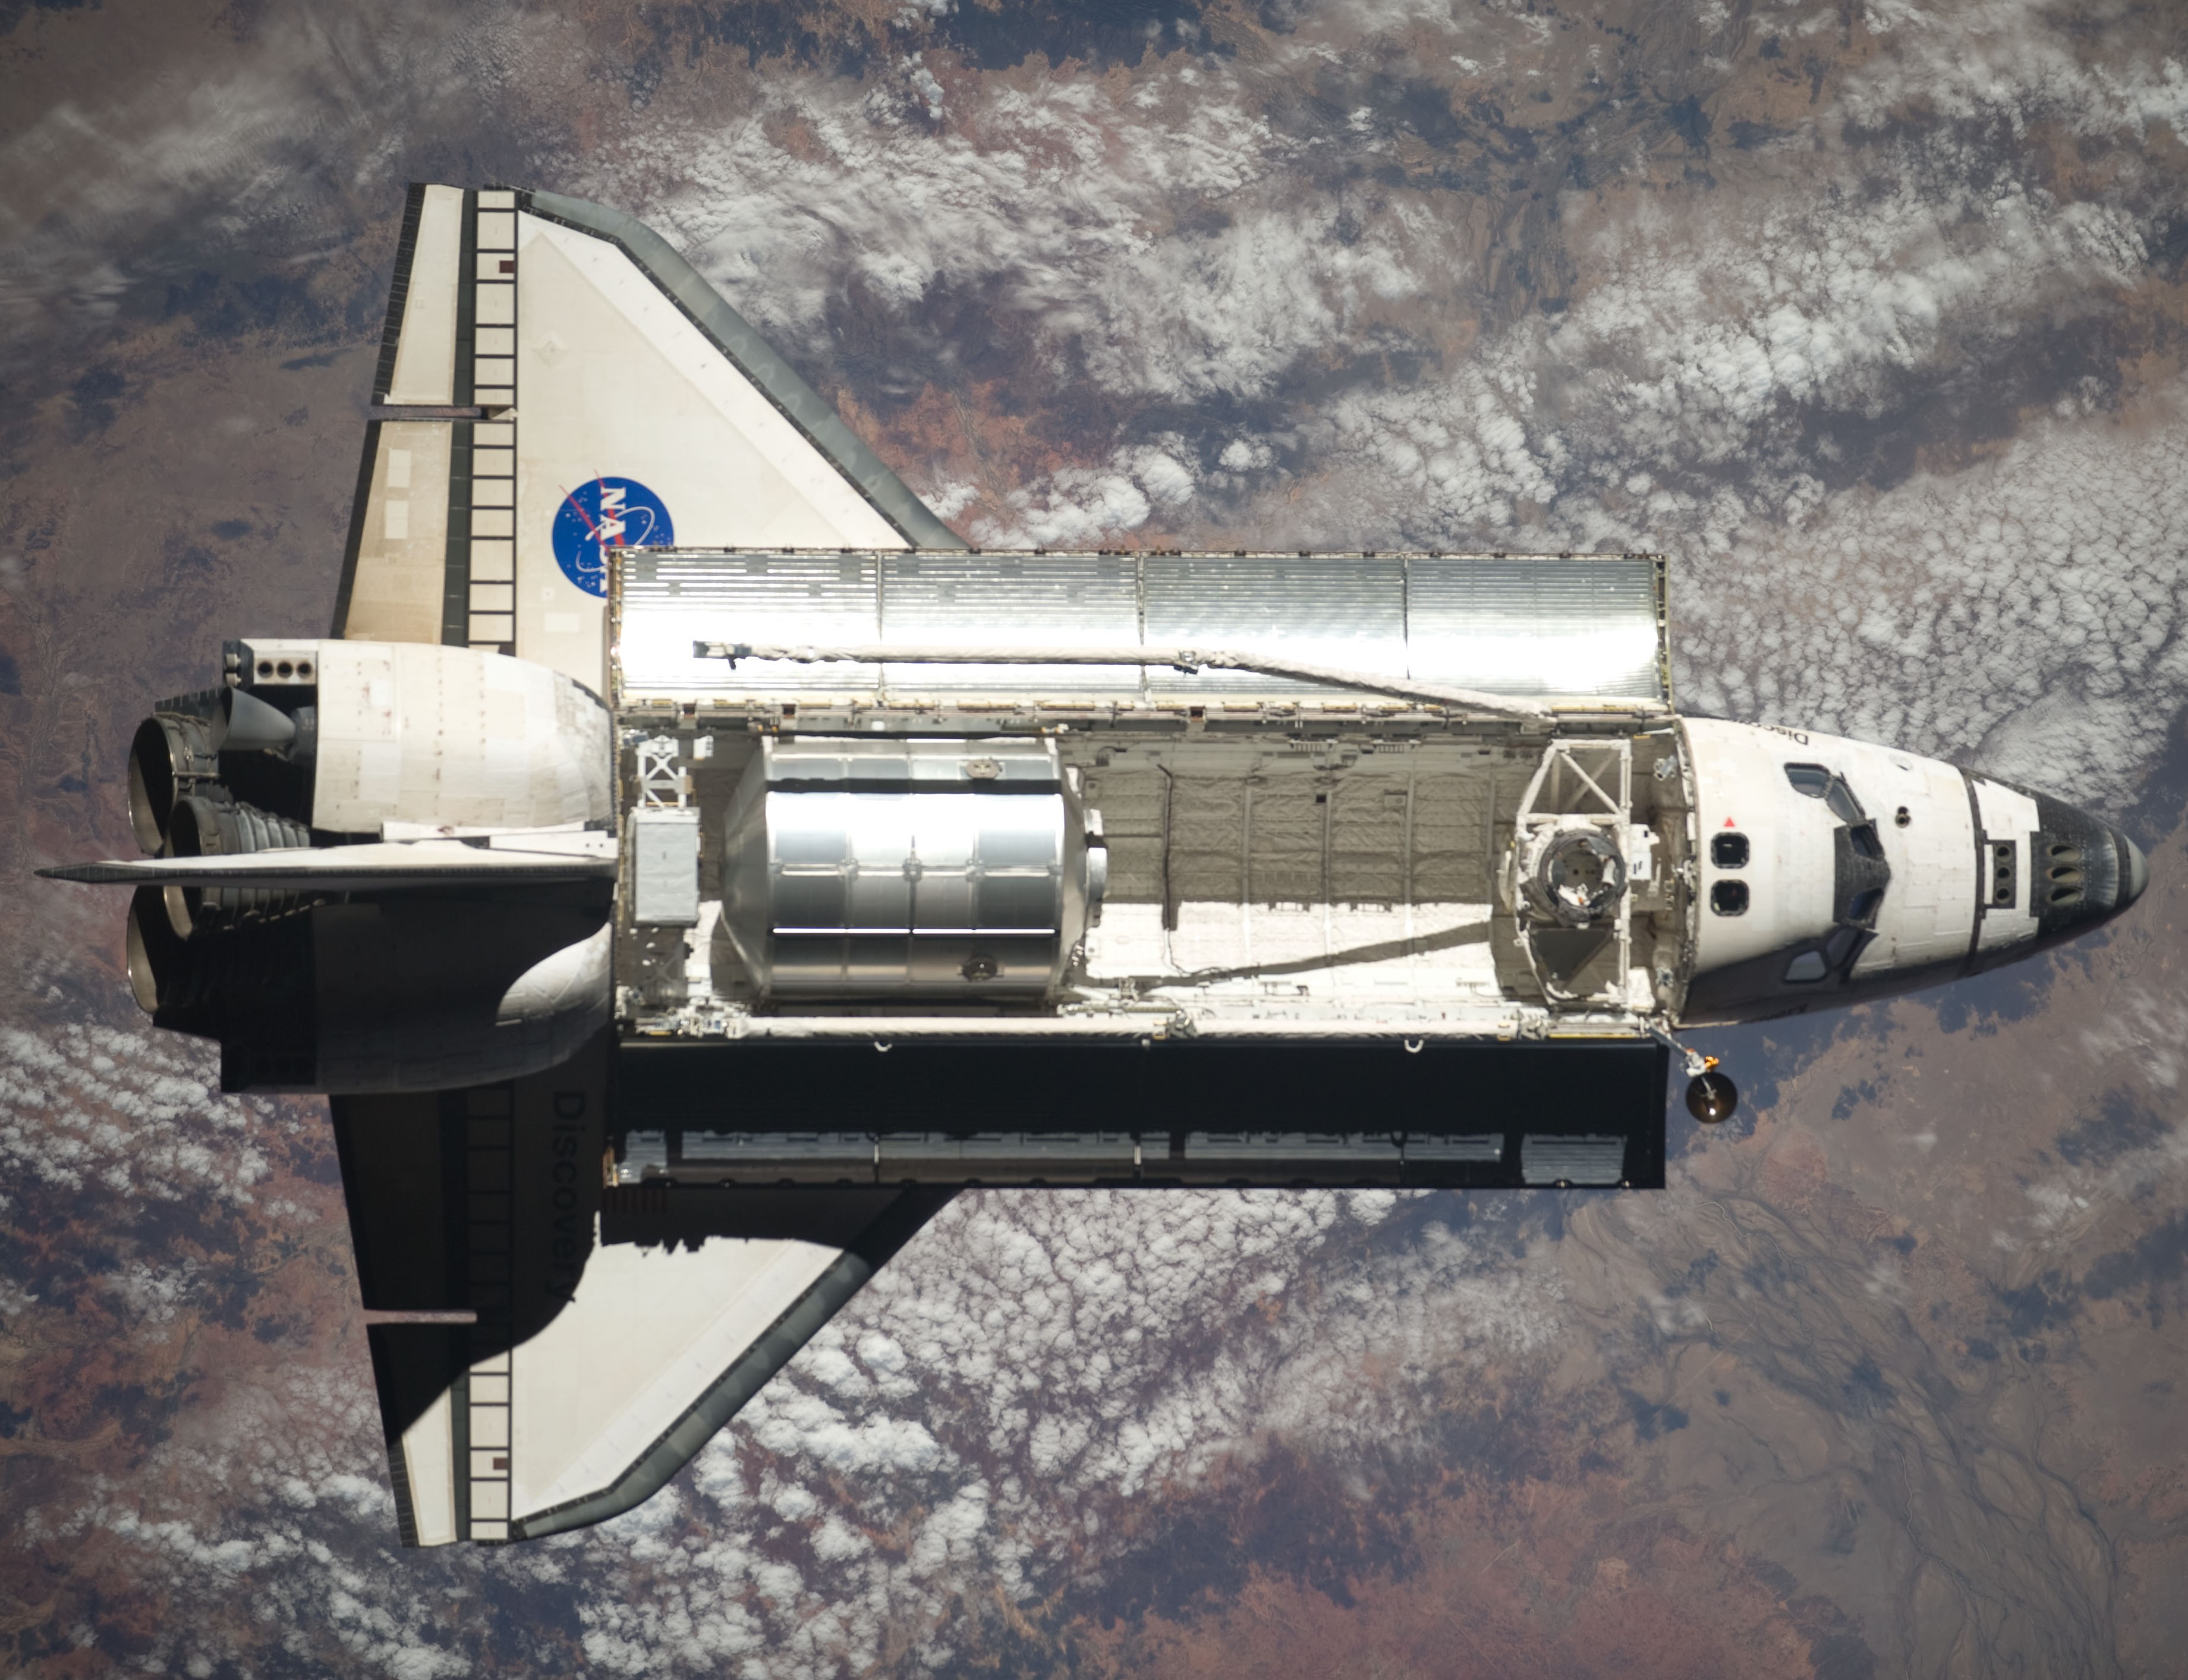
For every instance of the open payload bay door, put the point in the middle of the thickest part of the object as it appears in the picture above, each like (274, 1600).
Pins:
(1451, 630)
(556, 382)
(1274, 1111)
(549, 1352)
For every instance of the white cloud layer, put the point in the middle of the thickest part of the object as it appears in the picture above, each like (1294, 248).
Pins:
(1084, 209)
(1168, 243)
(2024, 614)
(138, 1113)
(1037, 1367)
(1004, 1395)
(990, 1417)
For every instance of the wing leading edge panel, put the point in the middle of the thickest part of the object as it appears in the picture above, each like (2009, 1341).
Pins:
(555, 382)
(731, 338)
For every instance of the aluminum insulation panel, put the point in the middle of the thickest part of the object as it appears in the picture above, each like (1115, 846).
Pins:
(981, 600)
(1344, 611)
(670, 599)
(1588, 626)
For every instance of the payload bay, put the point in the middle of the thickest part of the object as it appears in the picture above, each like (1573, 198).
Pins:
(1285, 905)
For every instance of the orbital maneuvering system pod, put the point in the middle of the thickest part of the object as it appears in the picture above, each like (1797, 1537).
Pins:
(686, 864)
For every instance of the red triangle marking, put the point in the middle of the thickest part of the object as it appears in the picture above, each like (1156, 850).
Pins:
(1729, 823)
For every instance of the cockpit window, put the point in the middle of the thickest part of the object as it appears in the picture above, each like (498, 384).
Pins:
(1861, 874)
(1835, 955)
(1819, 783)
(1729, 850)
(1813, 780)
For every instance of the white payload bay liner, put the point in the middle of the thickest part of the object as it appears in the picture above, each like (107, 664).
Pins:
(687, 863)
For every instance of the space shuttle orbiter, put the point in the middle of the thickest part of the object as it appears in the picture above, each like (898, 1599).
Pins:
(687, 862)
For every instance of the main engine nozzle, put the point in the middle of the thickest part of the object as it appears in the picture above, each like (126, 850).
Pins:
(176, 752)
(202, 826)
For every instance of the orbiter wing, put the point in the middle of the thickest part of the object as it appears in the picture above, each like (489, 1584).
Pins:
(556, 381)
(549, 1352)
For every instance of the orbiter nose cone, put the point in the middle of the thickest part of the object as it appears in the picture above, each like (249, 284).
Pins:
(2138, 872)
(2083, 872)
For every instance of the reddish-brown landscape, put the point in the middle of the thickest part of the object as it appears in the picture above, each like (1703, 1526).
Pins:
(1868, 317)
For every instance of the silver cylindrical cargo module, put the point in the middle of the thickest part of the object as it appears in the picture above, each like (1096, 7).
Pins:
(949, 869)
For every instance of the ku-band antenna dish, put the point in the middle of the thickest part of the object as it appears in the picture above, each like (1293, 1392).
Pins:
(1712, 1097)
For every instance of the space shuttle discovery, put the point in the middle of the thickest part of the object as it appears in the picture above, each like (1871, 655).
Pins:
(687, 863)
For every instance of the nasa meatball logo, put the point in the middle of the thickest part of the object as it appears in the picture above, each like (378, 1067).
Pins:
(602, 513)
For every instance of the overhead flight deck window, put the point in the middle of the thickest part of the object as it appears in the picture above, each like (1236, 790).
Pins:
(1728, 851)
(1729, 897)
(1819, 783)
(1836, 953)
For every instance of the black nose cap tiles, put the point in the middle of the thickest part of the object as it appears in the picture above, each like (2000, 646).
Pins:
(2083, 872)
(2135, 876)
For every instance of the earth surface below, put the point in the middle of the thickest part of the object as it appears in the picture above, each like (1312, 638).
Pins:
(1870, 316)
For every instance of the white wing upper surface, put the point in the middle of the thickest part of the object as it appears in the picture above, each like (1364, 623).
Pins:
(550, 1351)
(556, 379)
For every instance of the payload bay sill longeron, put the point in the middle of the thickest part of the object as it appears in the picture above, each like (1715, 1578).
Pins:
(654, 1024)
